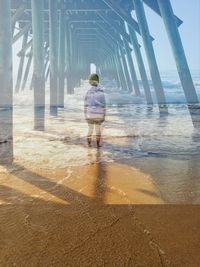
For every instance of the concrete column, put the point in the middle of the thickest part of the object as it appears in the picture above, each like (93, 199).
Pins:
(26, 73)
(109, 68)
(53, 41)
(61, 59)
(121, 71)
(46, 61)
(6, 88)
(118, 73)
(18, 13)
(71, 47)
(132, 68)
(38, 62)
(46, 68)
(178, 51)
(68, 58)
(140, 63)
(47, 73)
(126, 72)
(21, 63)
(119, 81)
(144, 30)
(74, 60)
(116, 70)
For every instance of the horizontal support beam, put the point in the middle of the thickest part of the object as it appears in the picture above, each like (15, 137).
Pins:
(99, 27)
(17, 14)
(117, 28)
(86, 4)
(123, 14)
(153, 4)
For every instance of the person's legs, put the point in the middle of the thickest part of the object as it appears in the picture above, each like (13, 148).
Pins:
(90, 131)
(98, 133)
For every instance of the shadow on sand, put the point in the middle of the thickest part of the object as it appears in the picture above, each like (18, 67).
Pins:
(84, 231)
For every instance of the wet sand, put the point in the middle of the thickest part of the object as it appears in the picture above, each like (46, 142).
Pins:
(64, 204)
(92, 215)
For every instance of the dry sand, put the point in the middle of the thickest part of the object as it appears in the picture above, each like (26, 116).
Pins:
(92, 215)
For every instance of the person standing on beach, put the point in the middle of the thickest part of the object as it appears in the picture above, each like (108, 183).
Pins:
(95, 109)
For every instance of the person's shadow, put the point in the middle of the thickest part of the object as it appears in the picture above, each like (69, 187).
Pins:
(99, 172)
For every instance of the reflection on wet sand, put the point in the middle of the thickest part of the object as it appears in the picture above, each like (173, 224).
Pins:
(39, 118)
(98, 181)
(54, 111)
(175, 186)
(100, 177)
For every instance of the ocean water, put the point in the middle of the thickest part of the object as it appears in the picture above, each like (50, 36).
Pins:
(163, 145)
(148, 131)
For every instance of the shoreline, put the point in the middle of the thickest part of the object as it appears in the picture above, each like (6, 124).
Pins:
(73, 217)
(62, 203)
(109, 182)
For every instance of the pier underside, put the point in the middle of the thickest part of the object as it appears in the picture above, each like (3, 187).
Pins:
(135, 200)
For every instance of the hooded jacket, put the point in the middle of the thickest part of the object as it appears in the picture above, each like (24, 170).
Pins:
(95, 103)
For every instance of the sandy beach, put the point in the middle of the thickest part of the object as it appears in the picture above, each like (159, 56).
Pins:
(100, 213)
(133, 202)
(61, 220)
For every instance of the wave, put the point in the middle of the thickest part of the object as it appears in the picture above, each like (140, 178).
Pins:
(116, 96)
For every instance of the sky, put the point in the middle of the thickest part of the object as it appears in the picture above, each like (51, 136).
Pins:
(189, 12)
